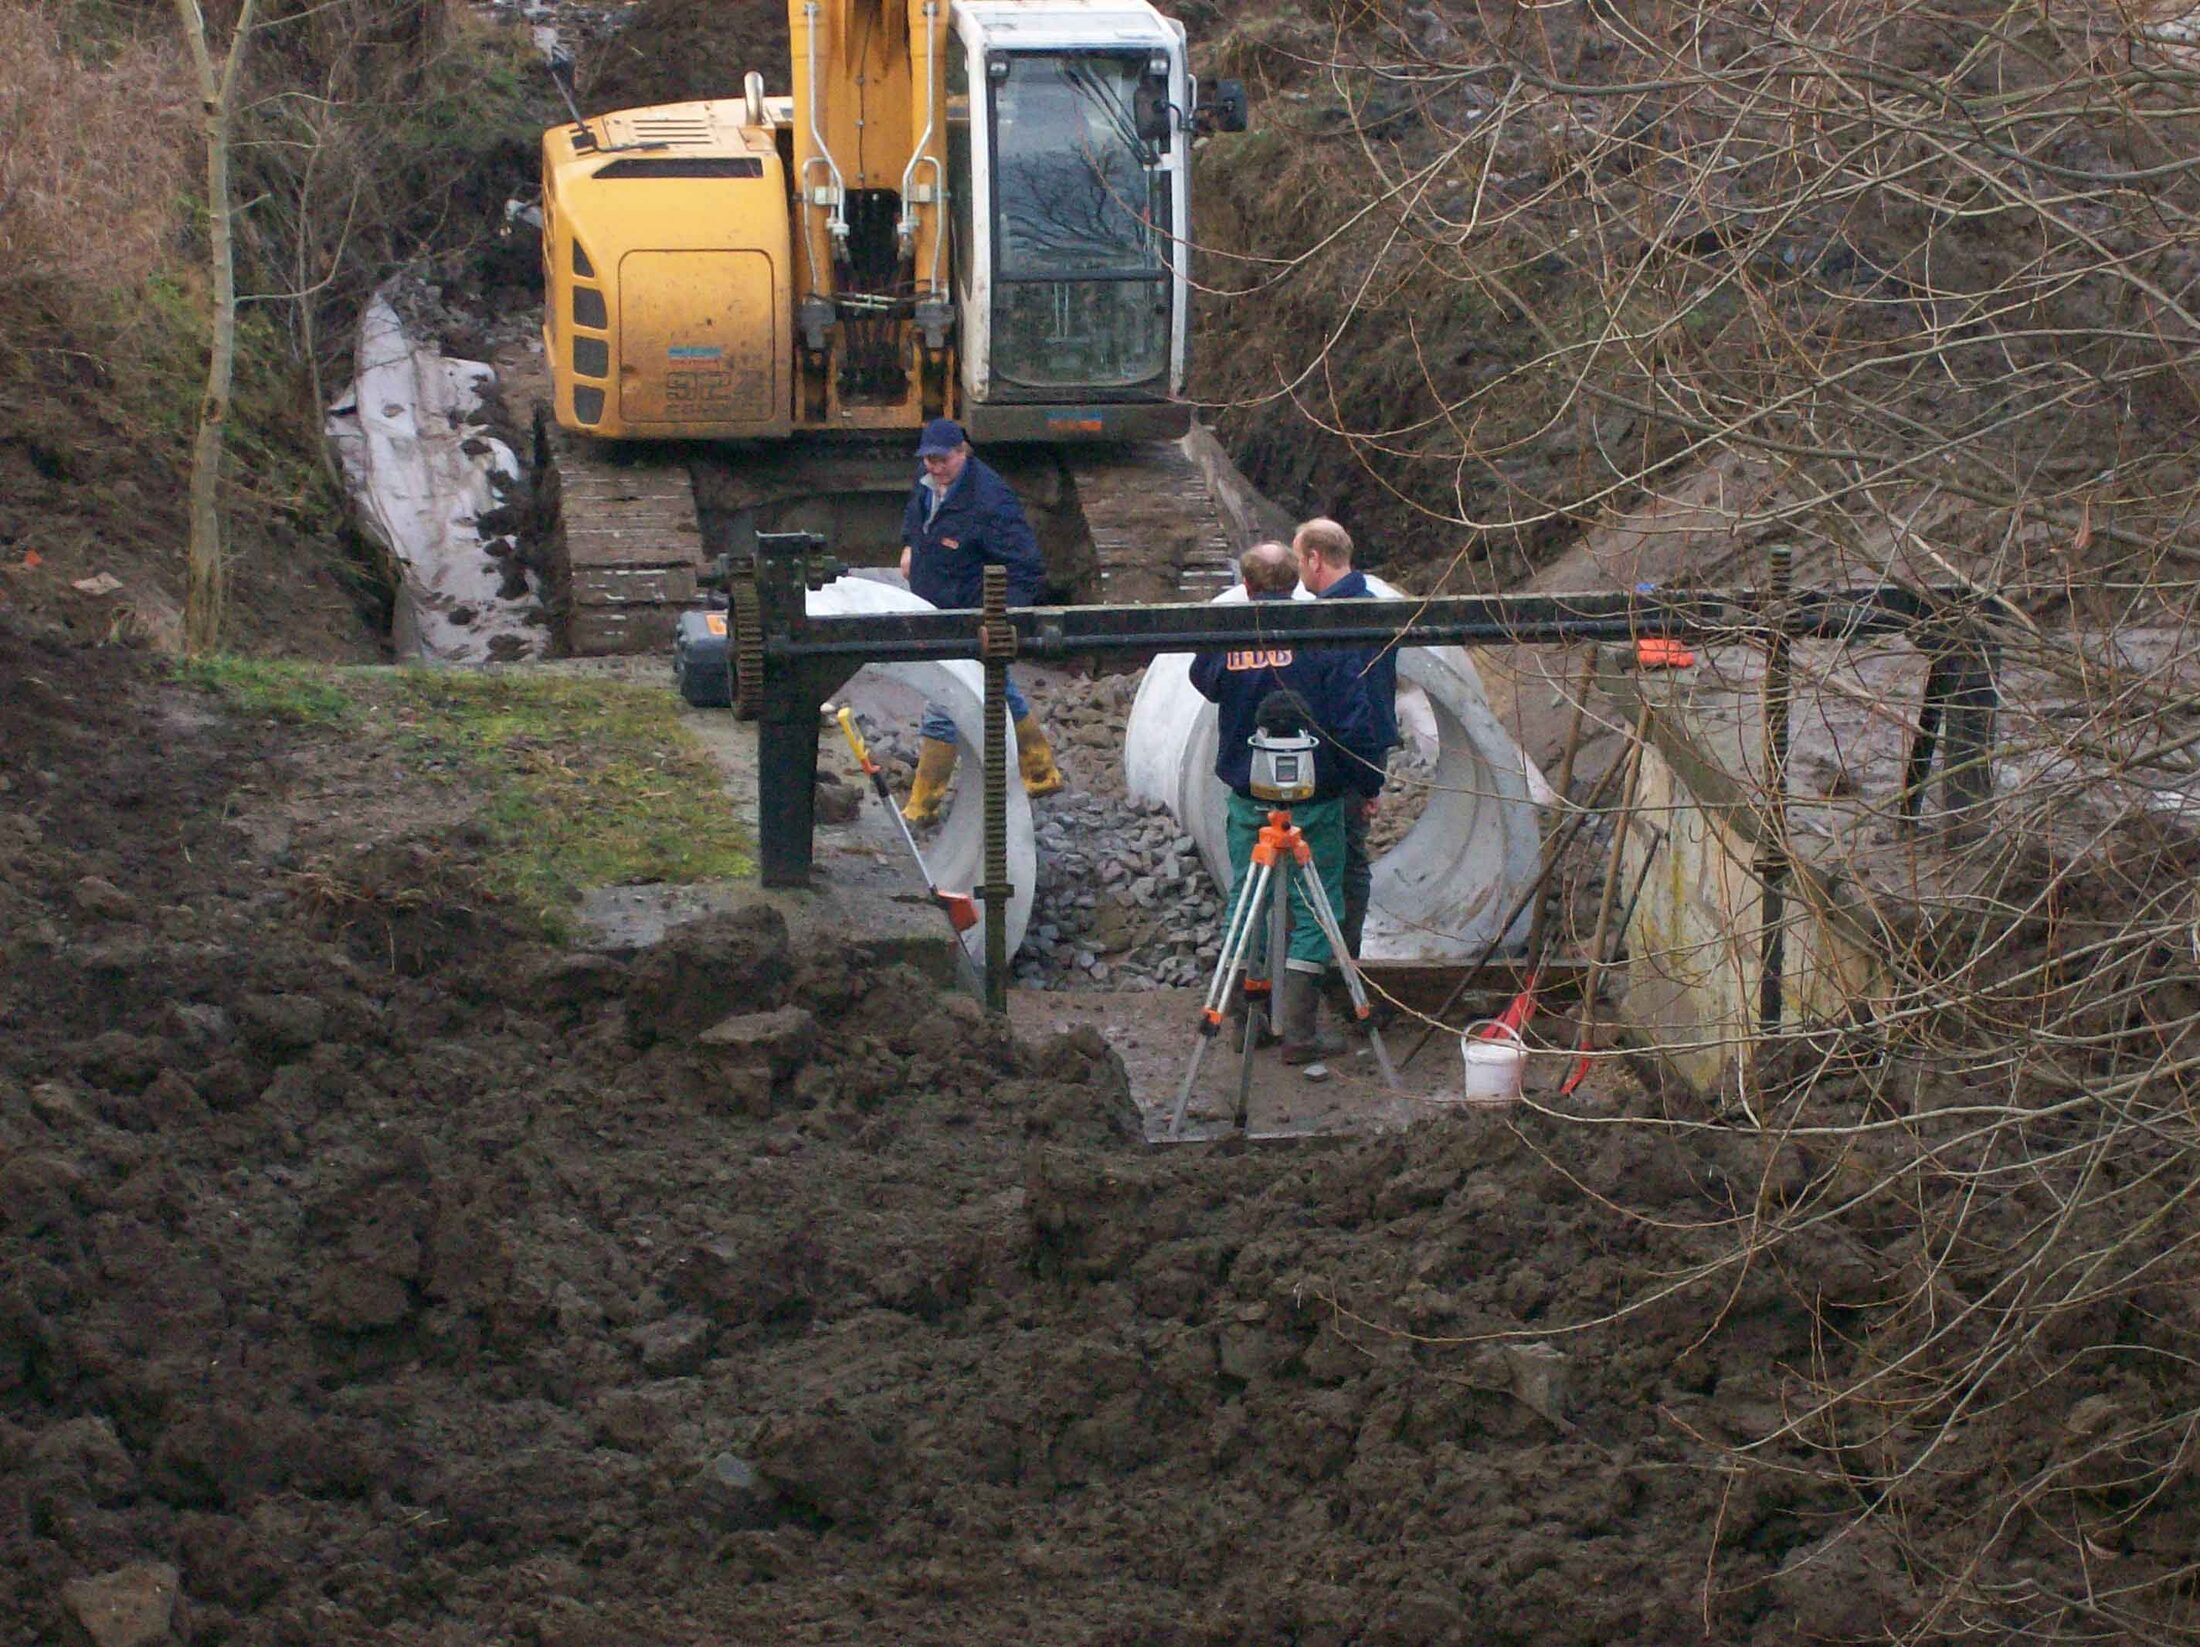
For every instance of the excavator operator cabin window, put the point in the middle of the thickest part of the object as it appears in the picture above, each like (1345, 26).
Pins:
(1081, 213)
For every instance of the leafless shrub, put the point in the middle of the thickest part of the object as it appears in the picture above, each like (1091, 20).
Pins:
(1915, 290)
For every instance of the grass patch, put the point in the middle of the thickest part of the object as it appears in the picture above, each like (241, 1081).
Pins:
(587, 783)
(296, 694)
(577, 783)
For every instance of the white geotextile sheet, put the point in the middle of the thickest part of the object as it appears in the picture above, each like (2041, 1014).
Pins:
(403, 435)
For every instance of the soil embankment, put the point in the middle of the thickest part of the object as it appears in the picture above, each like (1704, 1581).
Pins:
(372, 1270)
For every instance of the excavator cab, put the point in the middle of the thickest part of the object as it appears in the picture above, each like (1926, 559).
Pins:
(1068, 172)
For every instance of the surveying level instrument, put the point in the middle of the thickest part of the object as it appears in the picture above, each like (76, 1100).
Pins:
(1279, 853)
(1283, 752)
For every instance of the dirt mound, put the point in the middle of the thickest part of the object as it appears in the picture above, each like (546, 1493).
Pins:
(448, 1291)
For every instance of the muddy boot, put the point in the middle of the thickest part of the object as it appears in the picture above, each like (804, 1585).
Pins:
(1036, 756)
(1237, 1018)
(1298, 1016)
(935, 766)
(1339, 1001)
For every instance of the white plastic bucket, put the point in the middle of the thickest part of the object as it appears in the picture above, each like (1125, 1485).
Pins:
(1494, 1056)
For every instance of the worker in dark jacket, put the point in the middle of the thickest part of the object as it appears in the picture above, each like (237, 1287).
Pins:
(1347, 769)
(961, 518)
(1325, 568)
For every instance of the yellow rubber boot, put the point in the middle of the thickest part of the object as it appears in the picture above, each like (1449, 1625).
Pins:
(1036, 757)
(935, 766)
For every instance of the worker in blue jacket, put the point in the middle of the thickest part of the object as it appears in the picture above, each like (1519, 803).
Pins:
(1325, 568)
(961, 518)
(1332, 686)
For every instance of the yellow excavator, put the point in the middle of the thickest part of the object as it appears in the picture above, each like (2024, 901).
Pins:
(976, 209)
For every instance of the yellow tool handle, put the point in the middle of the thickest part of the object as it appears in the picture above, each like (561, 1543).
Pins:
(847, 719)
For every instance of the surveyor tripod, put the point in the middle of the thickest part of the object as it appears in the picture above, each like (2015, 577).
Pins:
(1279, 853)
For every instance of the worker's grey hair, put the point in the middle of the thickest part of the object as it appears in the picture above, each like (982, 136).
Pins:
(1268, 567)
(1326, 538)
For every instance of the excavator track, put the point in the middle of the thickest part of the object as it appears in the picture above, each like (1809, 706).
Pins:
(633, 525)
(626, 547)
(1157, 529)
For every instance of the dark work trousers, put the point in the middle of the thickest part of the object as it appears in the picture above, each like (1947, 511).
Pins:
(1358, 876)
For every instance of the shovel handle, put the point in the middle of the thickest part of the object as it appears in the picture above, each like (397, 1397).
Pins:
(847, 719)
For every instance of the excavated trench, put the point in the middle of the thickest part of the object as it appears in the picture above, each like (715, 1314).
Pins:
(1118, 879)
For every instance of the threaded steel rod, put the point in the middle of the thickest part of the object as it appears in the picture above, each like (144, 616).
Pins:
(997, 889)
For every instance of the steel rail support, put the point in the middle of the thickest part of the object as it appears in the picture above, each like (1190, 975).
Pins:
(805, 661)
(997, 644)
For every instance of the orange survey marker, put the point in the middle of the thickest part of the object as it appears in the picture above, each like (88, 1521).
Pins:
(960, 908)
(1657, 652)
(1514, 1019)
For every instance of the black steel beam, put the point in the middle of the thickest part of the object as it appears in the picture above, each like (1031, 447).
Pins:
(1056, 632)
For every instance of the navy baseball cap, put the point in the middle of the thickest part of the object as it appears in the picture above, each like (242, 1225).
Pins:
(941, 435)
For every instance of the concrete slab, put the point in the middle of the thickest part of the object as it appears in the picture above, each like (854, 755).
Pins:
(2080, 715)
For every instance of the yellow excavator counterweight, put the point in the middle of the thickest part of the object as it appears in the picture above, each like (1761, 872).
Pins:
(667, 298)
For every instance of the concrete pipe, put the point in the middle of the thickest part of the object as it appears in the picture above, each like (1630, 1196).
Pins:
(1440, 891)
(956, 854)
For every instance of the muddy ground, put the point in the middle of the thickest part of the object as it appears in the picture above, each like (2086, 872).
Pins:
(373, 1272)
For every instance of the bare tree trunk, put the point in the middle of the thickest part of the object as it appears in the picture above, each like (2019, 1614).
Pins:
(206, 580)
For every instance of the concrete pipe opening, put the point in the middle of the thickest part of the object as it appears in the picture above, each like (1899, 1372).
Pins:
(956, 854)
(1439, 893)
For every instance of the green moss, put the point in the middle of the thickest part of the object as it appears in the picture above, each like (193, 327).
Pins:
(586, 783)
(296, 694)
(574, 783)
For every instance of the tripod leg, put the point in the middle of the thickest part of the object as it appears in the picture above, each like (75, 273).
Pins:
(1233, 938)
(1257, 1016)
(1184, 1092)
(1218, 992)
(1325, 915)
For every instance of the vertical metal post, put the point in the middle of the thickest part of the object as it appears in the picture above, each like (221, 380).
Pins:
(1918, 765)
(786, 729)
(1772, 845)
(1962, 697)
(997, 644)
(787, 695)
(786, 763)
(1967, 764)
